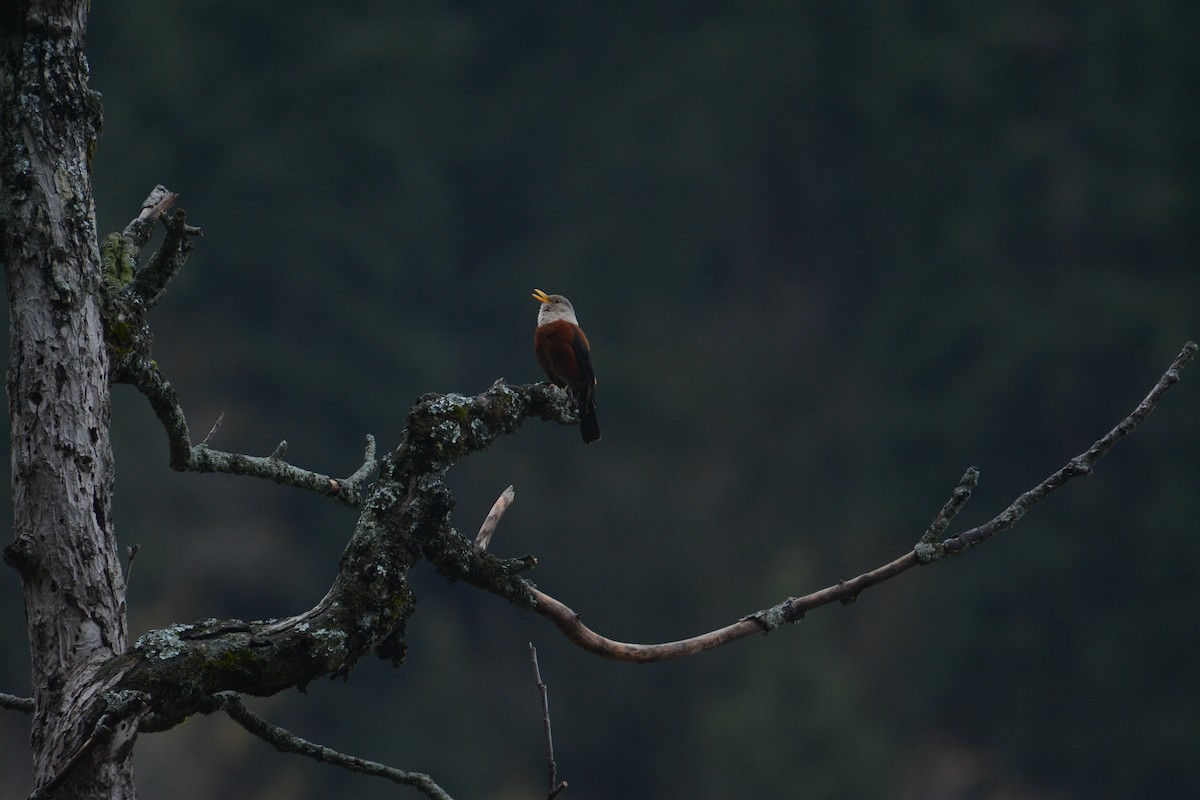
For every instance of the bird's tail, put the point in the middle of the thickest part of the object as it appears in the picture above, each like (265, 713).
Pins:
(589, 426)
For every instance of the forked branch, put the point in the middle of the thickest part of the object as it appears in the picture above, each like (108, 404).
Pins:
(794, 608)
(135, 291)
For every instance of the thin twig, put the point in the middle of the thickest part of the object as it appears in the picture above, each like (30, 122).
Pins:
(554, 786)
(287, 742)
(794, 608)
(14, 703)
(213, 430)
(484, 537)
(130, 554)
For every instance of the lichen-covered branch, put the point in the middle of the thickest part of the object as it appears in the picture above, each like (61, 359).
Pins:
(151, 281)
(404, 517)
(141, 227)
(146, 376)
(288, 742)
(928, 548)
(131, 293)
(794, 608)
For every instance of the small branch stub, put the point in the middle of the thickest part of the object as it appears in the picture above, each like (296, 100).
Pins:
(154, 206)
(213, 430)
(929, 549)
(484, 537)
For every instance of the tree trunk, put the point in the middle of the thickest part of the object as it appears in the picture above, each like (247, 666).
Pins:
(58, 392)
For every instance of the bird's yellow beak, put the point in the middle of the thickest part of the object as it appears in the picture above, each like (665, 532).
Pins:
(541, 296)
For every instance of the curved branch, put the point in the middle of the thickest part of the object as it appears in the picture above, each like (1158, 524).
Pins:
(794, 608)
(569, 623)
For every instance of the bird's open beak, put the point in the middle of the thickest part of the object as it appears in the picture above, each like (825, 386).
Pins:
(541, 296)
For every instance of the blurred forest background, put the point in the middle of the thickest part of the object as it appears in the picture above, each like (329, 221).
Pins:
(828, 255)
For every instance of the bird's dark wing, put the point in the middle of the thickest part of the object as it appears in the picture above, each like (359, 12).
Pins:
(589, 427)
(583, 357)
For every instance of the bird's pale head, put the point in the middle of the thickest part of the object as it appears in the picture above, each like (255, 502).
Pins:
(554, 307)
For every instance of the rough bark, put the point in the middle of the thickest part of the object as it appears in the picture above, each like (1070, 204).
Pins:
(58, 391)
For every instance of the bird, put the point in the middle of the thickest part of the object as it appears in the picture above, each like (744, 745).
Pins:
(563, 351)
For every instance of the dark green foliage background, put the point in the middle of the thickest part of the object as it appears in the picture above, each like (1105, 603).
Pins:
(828, 255)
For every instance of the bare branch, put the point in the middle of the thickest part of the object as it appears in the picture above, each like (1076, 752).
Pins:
(150, 282)
(1080, 465)
(144, 373)
(794, 608)
(347, 491)
(554, 786)
(213, 430)
(130, 554)
(287, 742)
(484, 537)
(14, 703)
(128, 339)
(569, 623)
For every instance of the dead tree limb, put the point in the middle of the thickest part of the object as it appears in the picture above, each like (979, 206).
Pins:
(794, 608)
(554, 786)
(287, 742)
